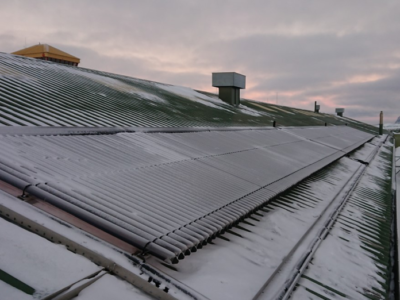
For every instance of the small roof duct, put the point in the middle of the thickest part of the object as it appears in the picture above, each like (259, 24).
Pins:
(339, 111)
(229, 84)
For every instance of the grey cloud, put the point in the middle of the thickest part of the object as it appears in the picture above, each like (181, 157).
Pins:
(283, 46)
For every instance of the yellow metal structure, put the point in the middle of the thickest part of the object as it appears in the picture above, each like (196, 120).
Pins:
(50, 53)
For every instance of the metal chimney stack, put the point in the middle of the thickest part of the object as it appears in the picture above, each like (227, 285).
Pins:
(316, 107)
(229, 85)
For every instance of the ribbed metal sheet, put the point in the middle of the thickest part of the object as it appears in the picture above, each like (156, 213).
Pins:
(41, 93)
(367, 151)
(355, 259)
(264, 246)
(169, 193)
(338, 137)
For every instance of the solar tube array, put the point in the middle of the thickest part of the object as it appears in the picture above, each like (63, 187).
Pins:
(169, 193)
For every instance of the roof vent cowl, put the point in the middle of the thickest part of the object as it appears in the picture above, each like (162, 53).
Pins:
(229, 85)
(339, 111)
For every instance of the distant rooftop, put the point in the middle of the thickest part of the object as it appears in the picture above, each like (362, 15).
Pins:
(50, 53)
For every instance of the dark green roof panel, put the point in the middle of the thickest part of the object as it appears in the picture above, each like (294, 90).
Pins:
(41, 93)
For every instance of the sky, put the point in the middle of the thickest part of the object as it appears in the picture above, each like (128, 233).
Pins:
(339, 53)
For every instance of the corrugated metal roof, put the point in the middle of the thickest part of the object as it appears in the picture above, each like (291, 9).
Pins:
(354, 260)
(98, 146)
(170, 193)
(367, 151)
(269, 245)
(263, 256)
(41, 93)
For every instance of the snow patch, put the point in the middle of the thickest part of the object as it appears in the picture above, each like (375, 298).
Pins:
(110, 287)
(249, 111)
(44, 266)
(119, 86)
(194, 96)
(149, 96)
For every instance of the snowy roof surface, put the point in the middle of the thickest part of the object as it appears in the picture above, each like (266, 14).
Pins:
(353, 260)
(262, 257)
(242, 263)
(111, 287)
(259, 246)
(40, 93)
(168, 193)
(50, 233)
(133, 175)
(43, 266)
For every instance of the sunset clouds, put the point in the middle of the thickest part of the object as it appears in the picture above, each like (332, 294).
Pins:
(340, 53)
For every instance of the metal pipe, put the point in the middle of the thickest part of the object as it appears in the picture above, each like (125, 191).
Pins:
(86, 216)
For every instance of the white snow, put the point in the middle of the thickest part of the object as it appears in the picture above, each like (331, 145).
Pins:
(249, 111)
(45, 266)
(213, 102)
(398, 154)
(104, 80)
(190, 94)
(119, 85)
(238, 269)
(110, 287)
(364, 152)
(78, 236)
(391, 126)
(345, 265)
(9, 292)
(149, 96)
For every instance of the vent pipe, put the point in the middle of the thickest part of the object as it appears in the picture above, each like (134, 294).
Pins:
(229, 85)
(381, 123)
(339, 111)
(316, 107)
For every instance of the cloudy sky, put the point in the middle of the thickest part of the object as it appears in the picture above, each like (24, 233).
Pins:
(339, 53)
